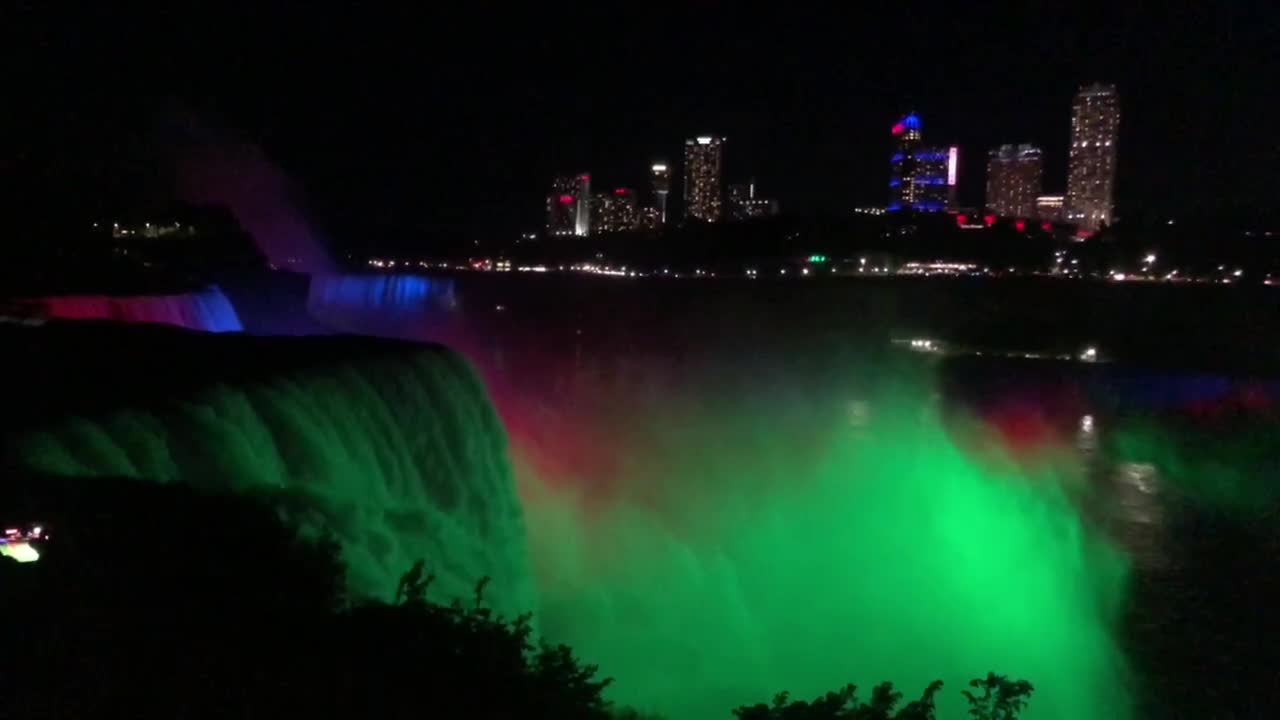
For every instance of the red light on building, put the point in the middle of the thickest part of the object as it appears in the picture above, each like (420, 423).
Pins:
(620, 191)
(961, 220)
(1046, 226)
(989, 220)
(897, 129)
(1019, 225)
(566, 199)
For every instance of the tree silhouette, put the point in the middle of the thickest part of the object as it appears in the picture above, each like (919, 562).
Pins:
(166, 601)
(1001, 698)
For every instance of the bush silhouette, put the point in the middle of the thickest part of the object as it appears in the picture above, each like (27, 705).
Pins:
(1000, 699)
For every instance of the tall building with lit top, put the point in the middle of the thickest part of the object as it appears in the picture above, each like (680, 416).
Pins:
(1013, 180)
(920, 177)
(1091, 171)
(660, 186)
(703, 178)
(569, 206)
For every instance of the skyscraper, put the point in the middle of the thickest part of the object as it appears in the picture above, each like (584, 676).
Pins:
(569, 206)
(1091, 176)
(918, 175)
(703, 161)
(616, 211)
(1013, 180)
(660, 185)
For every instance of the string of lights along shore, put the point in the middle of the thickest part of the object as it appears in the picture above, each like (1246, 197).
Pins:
(922, 178)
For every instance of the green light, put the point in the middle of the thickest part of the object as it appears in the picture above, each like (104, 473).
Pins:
(757, 554)
(22, 552)
(734, 549)
(817, 258)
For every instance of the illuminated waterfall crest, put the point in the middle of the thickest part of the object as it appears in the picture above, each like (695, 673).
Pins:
(400, 456)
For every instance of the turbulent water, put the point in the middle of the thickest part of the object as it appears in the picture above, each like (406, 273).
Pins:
(401, 456)
(743, 551)
(207, 310)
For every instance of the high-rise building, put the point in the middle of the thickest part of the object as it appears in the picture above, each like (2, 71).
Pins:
(660, 186)
(745, 205)
(1049, 208)
(615, 211)
(569, 206)
(918, 175)
(703, 175)
(1091, 175)
(1013, 180)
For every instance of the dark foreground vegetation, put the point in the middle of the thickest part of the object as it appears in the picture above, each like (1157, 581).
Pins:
(155, 601)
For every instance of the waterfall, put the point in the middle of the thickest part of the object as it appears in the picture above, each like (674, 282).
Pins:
(381, 293)
(207, 309)
(398, 453)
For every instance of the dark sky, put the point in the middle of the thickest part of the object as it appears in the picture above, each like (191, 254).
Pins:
(434, 121)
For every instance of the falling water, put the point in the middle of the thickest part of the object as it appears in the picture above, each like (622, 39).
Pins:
(207, 310)
(400, 456)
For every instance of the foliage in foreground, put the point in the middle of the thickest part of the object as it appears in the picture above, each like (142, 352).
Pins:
(164, 601)
(997, 698)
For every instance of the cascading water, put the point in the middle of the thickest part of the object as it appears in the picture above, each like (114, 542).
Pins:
(207, 310)
(710, 541)
(707, 542)
(743, 550)
(392, 294)
(400, 455)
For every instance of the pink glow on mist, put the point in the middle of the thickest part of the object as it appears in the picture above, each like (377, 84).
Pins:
(239, 176)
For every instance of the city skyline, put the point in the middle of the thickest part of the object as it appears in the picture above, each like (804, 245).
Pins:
(922, 178)
(806, 106)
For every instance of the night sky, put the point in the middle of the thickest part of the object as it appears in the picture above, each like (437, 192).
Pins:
(432, 122)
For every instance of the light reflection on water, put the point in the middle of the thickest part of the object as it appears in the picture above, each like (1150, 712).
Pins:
(1129, 502)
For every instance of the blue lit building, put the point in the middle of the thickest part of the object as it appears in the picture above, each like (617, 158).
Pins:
(920, 177)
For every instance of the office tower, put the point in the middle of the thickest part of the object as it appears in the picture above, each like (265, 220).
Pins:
(918, 175)
(1091, 175)
(1049, 208)
(616, 211)
(1013, 180)
(660, 185)
(703, 166)
(745, 205)
(569, 206)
